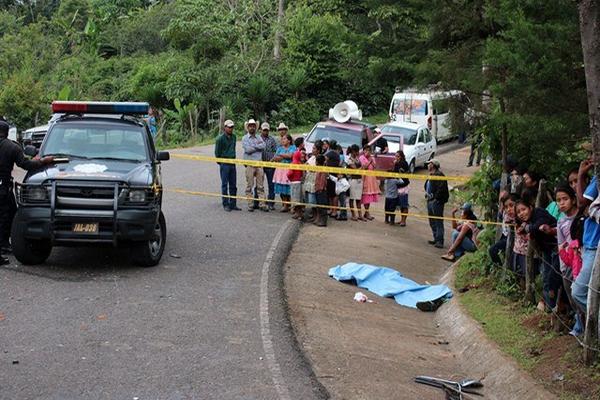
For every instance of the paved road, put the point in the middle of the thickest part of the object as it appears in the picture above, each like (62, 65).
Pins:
(87, 325)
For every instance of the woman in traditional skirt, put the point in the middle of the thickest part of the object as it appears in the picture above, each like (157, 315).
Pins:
(282, 183)
(295, 176)
(370, 192)
(356, 182)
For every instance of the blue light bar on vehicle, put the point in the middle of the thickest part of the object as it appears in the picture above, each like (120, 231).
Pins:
(99, 107)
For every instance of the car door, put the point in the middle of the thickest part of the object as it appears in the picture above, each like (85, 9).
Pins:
(429, 144)
(420, 150)
(384, 161)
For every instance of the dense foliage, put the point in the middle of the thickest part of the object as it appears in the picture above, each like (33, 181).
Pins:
(195, 58)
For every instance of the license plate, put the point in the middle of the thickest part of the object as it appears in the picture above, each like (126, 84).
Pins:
(86, 228)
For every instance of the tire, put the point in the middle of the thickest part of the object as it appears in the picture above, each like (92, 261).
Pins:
(27, 251)
(411, 166)
(149, 253)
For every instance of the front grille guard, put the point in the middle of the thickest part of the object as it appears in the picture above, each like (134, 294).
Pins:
(118, 188)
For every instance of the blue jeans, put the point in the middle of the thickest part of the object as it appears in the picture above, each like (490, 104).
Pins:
(228, 181)
(466, 245)
(551, 278)
(436, 209)
(269, 172)
(579, 289)
(496, 248)
(342, 203)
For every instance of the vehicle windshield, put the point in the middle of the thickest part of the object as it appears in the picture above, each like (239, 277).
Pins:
(410, 135)
(110, 141)
(343, 137)
(408, 106)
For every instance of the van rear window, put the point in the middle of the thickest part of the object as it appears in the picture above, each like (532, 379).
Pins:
(410, 107)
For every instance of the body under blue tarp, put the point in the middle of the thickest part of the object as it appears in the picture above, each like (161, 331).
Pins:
(387, 282)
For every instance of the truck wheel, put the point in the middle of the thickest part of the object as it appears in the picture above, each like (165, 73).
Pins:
(28, 252)
(411, 166)
(149, 253)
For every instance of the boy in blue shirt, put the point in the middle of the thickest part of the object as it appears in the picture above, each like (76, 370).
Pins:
(591, 235)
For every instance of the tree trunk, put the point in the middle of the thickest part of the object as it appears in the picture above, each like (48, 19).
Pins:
(504, 139)
(221, 118)
(589, 24)
(279, 31)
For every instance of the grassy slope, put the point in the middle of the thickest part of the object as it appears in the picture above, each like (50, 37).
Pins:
(524, 333)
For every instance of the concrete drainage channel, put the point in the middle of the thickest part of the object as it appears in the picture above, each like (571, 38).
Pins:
(504, 379)
(292, 374)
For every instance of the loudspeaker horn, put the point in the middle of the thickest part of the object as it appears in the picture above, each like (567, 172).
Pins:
(344, 111)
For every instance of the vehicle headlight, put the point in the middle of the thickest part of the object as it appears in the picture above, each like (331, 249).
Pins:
(137, 196)
(27, 135)
(37, 194)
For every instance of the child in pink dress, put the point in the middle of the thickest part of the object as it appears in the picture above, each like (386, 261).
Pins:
(370, 183)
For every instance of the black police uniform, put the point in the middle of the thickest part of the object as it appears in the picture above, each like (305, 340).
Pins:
(10, 154)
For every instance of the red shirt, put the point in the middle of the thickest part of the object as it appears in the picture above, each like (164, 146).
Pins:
(295, 175)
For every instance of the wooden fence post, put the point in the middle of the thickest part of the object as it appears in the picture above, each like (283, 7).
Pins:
(530, 273)
(532, 249)
(508, 252)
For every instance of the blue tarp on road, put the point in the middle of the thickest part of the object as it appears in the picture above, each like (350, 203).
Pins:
(387, 282)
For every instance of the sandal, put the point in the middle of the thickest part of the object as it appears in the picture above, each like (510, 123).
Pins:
(448, 257)
(353, 219)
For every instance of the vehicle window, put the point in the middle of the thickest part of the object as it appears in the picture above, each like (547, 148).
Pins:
(427, 135)
(344, 137)
(408, 106)
(97, 141)
(410, 135)
(441, 106)
(393, 143)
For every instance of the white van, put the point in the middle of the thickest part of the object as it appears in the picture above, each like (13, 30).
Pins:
(428, 108)
(12, 133)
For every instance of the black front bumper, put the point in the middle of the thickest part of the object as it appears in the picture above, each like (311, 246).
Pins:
(123, 225)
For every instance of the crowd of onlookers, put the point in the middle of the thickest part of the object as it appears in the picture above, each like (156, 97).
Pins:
(565, 231)
(563, 226)
(332, 195)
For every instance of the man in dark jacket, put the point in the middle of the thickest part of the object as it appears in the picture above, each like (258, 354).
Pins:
(225, 148)
(436, 192)
(10, 154)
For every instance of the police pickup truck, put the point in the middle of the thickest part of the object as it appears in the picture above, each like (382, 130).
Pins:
(104, 186)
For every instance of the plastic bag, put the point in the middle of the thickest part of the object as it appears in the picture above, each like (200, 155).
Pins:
(341, 185)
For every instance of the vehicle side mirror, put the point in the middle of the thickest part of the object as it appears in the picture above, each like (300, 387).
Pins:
(30, 151)
(163, 156)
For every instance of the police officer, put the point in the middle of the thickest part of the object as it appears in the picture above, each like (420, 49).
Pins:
(10, 154)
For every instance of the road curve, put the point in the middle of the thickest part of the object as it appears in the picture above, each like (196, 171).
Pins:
(208, 323)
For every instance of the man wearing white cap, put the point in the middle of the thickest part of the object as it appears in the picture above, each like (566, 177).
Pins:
(253, 150)
(225, 148)
(282, 130)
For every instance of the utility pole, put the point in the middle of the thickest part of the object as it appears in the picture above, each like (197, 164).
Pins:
(589, 26)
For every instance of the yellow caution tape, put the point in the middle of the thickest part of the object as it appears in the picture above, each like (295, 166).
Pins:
(316, 168)
(293, 203)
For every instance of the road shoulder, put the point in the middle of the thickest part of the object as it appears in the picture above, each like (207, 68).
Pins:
(374, 350)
